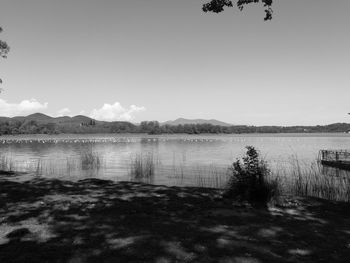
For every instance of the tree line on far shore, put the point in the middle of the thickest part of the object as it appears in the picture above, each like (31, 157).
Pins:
(154, 127)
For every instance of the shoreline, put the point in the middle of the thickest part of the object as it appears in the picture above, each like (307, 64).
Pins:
(175, 134)
(96, 220)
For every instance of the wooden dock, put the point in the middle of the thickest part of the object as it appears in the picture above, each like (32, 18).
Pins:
(335, 158)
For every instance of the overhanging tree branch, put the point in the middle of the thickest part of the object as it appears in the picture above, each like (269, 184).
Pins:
(4, 50)
(217, 6)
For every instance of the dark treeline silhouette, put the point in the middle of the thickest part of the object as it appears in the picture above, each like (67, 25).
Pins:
(36, 127)
(154, 127)
(13, 127)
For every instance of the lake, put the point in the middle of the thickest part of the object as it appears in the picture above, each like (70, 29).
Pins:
(200, 160)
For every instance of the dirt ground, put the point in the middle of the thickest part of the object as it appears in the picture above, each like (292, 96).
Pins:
(92, 220)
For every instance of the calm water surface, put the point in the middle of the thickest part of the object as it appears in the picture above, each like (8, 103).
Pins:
(179, 159)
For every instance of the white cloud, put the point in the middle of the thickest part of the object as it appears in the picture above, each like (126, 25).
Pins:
(63, 112)
(115, 112)
(25, 107)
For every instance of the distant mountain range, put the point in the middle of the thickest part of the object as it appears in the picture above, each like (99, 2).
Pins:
(39, 123)
(183, 121)
(42, 118)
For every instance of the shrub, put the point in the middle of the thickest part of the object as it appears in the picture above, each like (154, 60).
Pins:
(250, 179)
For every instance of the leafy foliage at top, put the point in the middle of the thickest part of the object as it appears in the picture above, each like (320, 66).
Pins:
(218, 6)
(4, 49)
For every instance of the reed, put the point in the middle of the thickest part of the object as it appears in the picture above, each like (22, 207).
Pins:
(90, 160)
(6, 164)
(142, 166)
(312, 181)
(71, 165)
(211, 176)
(39, 167)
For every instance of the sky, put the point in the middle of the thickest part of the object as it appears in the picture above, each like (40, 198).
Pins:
(138, 60)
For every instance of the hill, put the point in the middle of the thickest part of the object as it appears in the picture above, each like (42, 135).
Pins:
(39, 117)
(182, 121)
(39, 123)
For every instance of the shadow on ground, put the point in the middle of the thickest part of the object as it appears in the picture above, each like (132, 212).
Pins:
(100, 221)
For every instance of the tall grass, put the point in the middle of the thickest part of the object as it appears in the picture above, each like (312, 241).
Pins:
(312, 181)
(90, 160)
(142, 166)
(6, 164)
(55, 167)
(39, 167)
(71, 165)
(211, 176)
